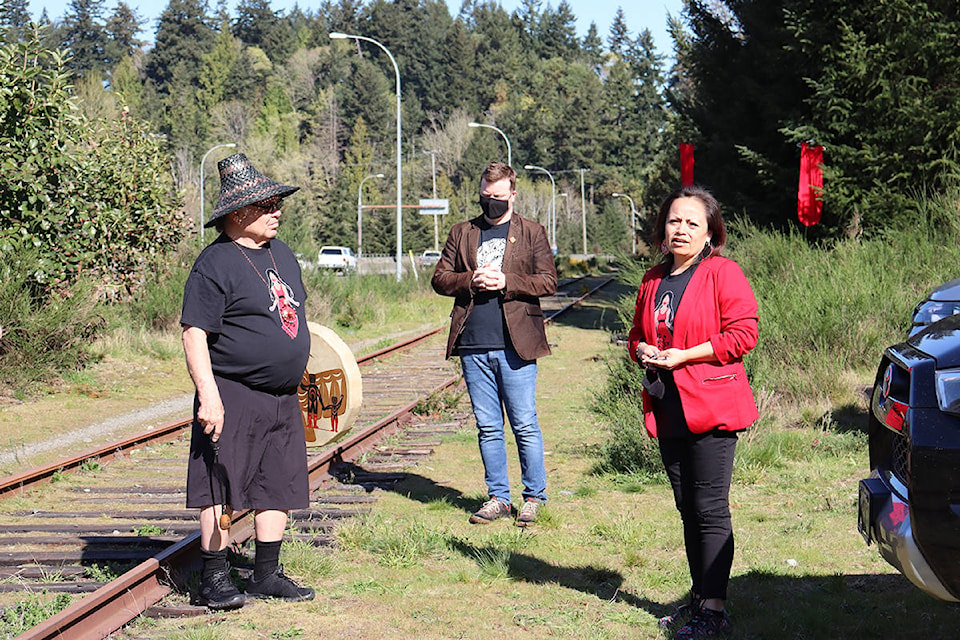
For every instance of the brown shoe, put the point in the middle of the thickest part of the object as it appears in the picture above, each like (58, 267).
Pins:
(491, 510)
(528, 513)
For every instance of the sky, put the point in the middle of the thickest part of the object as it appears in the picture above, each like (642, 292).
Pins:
(639, 14)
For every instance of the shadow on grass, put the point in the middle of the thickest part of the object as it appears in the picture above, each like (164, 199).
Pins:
(853, 607)
(603, 583)
(409, 485)
(850, 418)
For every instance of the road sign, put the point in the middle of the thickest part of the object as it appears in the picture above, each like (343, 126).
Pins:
(434, 206)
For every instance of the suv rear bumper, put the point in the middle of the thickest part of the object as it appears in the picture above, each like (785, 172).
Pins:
(884, 517)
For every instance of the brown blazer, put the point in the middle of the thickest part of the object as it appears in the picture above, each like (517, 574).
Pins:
(530, 273)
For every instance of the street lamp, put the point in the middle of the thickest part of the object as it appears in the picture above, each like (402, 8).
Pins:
(553, 202)
(360, 218)
(433, 161)
(202, 162)
(633, 221)
(343, 36)
(505, 139)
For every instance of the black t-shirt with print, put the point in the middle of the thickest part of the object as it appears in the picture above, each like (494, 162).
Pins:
(485, 328)
(252, 304)
(668, 410)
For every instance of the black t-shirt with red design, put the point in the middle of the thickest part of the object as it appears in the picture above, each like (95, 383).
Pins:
(252, 304)
(668, 410)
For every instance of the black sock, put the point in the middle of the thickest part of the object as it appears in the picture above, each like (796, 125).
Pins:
(213, 561)
(266, 559)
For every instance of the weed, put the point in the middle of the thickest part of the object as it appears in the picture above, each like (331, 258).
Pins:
(104, 573)
(148, 530)
(289, 632)
(58, 476)
(439, 403)
(31, 611)
(90, 465)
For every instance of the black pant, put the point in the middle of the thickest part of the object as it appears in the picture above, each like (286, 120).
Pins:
(700, 468)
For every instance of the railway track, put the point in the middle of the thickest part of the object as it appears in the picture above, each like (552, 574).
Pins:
(118, 510)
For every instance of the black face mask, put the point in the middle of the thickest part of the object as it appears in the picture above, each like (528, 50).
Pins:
(492, 208)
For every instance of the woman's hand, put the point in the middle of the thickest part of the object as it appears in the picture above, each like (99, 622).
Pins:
(646, 352)
(668, 359)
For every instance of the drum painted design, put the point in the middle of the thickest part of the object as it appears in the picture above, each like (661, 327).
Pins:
(330, 391)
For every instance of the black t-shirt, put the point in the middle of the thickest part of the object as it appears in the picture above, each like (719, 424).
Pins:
(251, 301)
(668, 410)
(485, 327)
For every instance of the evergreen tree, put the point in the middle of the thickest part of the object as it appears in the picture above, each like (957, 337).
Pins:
(122, 28)
(83, 33)
(592, 48)
(184, 36)
(558, 33)
(619, 33)
(746, 81)
(216, 70)
(885, 103)
(499, 55)
(14, 17)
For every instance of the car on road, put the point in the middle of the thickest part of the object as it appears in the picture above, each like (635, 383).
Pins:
(910, 503)
(339, 258)
(429, 258)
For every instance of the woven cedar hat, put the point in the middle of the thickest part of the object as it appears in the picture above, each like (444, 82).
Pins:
(241, 184)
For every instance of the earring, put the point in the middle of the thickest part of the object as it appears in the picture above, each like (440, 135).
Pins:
(707, 250)
(663, 248)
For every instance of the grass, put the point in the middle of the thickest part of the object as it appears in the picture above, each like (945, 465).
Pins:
(607, 559)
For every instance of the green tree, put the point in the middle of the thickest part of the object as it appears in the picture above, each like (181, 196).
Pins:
(184, 36)
(746, 80)
(121, 29)
(92, 198)
(14, 18)
(885, 103)
(83, 33)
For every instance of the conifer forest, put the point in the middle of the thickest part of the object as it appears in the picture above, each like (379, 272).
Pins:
(102, 133)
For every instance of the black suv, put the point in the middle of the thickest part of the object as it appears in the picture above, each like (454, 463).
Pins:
(910, 504)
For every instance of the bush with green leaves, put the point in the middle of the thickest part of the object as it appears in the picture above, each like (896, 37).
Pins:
(95, 199)
(42, 336)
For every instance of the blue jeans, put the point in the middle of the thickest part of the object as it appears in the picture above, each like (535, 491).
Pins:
(496, 380)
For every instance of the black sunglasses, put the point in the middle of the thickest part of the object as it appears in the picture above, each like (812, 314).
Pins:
(270, 205)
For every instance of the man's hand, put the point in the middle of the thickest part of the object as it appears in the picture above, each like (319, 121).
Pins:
(489, 278)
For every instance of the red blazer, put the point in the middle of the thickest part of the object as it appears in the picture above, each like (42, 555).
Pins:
(718, 305)
(530, 272)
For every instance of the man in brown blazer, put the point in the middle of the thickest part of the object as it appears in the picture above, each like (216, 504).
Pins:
(496, 267)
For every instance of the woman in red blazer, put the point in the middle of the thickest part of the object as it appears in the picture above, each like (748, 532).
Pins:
(695, 319)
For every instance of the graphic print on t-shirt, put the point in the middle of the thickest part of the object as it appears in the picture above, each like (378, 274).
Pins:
(283, 302)
(490, 252)
(663, 317)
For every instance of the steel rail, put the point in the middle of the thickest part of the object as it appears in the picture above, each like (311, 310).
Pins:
(589, 293)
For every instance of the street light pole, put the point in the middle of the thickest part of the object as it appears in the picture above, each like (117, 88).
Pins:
(433, 161)
(583, 209)
(202, 162)
(343, 36)
(360, 218)
(633, 221)
(505, 139)
(553, 202)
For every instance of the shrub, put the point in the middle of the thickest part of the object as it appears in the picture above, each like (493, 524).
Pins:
(43, 330)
